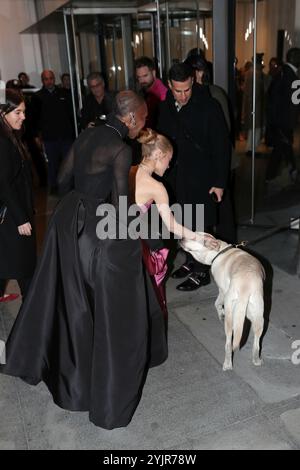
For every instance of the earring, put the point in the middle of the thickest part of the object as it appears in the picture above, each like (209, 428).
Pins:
(132, 120)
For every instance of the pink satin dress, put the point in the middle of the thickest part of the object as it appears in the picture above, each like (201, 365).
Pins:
(156, 265)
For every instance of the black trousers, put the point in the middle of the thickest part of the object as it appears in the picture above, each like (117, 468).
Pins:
(24, 284)
(226, 229)
(195, 266)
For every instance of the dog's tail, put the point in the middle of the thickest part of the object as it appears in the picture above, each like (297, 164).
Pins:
(239, 315)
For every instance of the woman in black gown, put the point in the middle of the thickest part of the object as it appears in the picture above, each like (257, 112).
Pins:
(91, 325)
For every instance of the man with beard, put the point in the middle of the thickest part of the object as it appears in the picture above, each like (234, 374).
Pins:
(152, 87)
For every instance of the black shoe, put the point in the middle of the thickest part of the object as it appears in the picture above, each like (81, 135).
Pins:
(183, 271)
(194, 281)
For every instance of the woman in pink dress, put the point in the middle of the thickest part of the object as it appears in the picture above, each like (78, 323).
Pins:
(157, 153)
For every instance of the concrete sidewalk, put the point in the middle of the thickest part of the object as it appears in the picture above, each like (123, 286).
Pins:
(189, 402)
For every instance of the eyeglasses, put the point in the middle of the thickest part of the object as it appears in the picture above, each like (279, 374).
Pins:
(96, 86)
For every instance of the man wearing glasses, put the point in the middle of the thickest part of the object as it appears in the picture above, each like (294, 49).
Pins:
(98, 104)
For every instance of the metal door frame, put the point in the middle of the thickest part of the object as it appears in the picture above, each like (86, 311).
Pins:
(70, 34)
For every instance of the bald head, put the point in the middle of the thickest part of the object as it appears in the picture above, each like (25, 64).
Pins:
(131, 109)
(48, 79)
(127, 102)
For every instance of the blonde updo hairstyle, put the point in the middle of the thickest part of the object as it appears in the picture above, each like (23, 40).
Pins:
(152, 141)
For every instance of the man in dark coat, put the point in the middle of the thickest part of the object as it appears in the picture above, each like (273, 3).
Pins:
(282, 115)
(98, 104)
(195, 124)
(52, 118)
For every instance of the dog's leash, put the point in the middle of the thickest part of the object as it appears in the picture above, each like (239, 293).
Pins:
(230, 247)
(256, 240)
(271, 231)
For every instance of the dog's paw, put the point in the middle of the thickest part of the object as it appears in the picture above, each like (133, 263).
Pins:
(258, 362)
(227, 367)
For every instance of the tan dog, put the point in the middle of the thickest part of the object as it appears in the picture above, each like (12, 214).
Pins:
(239, 277)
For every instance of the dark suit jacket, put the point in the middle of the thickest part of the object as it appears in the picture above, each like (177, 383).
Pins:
(52, 114)
(201, 147)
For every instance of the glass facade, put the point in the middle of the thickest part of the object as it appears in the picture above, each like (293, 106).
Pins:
(111, 38)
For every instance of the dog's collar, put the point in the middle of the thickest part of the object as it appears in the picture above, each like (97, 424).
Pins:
(230, 247)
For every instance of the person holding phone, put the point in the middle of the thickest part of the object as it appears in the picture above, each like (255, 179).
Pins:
(98, 104)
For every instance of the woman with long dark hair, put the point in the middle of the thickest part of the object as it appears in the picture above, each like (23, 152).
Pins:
(17, 235)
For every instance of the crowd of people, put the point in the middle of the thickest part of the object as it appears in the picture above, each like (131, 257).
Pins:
(276, 115)
(94, 312)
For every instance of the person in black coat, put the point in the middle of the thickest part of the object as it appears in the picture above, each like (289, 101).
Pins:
(17, 235)
(226, 227)
(53, 125)
(195, 124)
(98, 104)
(282, 116)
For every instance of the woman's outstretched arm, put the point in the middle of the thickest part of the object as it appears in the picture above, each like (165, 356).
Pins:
(161, 198)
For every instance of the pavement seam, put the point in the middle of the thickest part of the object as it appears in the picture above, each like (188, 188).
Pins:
(15, 381)
(217, 362)
(22, 414)
(195, 337)
(222, 428)
(178, 304)
(282, 430)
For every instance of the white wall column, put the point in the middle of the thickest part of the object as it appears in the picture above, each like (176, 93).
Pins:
(220, 42)
(297, 23)
(19, 53)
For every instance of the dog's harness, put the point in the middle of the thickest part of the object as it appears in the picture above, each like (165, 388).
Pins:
(230, 247)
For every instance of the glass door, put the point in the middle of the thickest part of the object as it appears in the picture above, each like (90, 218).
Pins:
(185, 26)
(101, 48)
(114, 54)
(267, 165)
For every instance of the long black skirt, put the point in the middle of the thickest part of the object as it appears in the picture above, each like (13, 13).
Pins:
(91, 325)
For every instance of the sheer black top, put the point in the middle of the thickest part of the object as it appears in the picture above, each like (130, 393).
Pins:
(98, 163)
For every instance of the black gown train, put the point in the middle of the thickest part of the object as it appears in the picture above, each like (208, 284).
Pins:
(91, 324)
